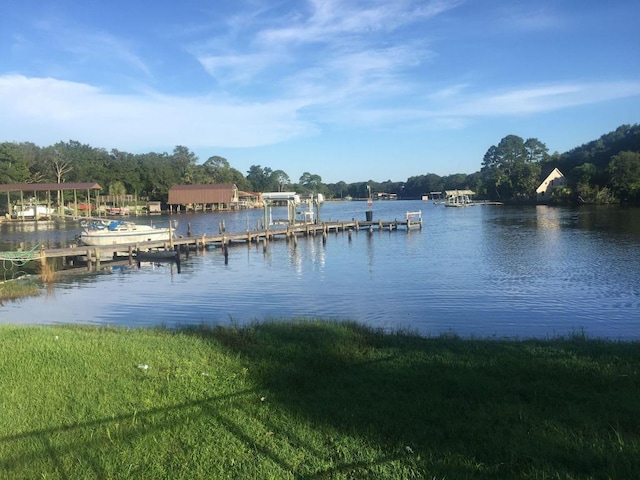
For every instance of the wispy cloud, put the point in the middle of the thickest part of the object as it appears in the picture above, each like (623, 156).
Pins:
(79, 111)
(82, 48)
(334, 50)
(543, 98)
(528, 17)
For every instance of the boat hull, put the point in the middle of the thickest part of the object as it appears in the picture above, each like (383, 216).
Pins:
(136, 235)
(157, 256)
(32, 211)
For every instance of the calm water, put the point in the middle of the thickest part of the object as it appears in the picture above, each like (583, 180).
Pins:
(478, 271)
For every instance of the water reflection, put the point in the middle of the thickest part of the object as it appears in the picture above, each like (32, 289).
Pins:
(482, 271)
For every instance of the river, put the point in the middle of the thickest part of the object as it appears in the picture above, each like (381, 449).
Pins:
(481, 271)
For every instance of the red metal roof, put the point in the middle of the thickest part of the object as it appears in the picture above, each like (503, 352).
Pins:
(203, 194)
(45, 187)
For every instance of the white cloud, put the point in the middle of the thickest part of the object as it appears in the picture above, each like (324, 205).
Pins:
(47, 110)
(50, 110)
(545, 98)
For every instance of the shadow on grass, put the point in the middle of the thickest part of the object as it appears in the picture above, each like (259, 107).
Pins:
(458, 408)
(137, 425)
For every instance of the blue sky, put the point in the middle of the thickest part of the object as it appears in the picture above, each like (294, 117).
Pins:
(349, 90)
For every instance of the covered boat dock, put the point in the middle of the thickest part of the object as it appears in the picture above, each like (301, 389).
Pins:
(34, 195)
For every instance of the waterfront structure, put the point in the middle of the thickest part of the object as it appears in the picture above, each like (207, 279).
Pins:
(554, 180)
(41, 195)
(458, 198)
(215, 196)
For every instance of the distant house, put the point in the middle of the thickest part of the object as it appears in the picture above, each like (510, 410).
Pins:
(554, 180)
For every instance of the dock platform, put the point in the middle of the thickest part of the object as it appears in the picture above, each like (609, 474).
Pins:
(91, 257)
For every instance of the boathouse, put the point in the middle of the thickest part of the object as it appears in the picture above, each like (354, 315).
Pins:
(554, 180)
(215, 196)
(23, 198)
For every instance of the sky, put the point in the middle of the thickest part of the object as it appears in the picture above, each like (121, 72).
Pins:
(349, 90)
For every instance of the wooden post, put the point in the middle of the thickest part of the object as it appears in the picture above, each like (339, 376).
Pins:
(97, 252)
(89, 260)
(130, 255)
(43, 265)
(225, 250)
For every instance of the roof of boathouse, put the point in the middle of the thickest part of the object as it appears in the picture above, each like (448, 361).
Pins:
(456, 193)
(202, 194)
(47, 187)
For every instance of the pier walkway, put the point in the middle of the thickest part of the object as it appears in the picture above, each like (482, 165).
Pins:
(93, 256)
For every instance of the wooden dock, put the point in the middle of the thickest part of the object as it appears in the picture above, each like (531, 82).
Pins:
(92, 257)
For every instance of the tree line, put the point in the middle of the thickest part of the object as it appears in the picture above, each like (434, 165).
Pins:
(606, 170)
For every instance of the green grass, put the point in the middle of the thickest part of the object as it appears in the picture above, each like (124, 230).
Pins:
(313, 400)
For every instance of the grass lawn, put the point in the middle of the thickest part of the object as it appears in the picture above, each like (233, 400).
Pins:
(313, 400)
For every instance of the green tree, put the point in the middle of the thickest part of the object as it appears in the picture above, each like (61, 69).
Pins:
(184, 161)
(217, 170)
(624, 169)
(157, 175)
(13, 167)
(117, 191)
(537, 152)
(311, 182)
(280, 178)
(512, 168)
(260, 178)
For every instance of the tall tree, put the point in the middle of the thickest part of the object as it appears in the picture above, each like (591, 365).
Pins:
(512, 168)
(311, 182)
(184, 161)
(13, 168)
(117, 191)
(537, 152)
(260, 178)
(281, 179)
(624, 170)
(60, 168)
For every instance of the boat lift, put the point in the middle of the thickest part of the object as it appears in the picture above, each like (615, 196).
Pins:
(293, 202)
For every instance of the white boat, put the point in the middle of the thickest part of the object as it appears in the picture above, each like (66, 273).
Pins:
(30, 210)
(115, 232)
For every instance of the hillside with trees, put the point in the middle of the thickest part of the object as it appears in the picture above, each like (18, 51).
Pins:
(606, 170)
